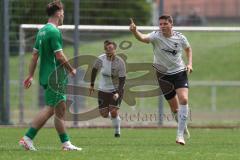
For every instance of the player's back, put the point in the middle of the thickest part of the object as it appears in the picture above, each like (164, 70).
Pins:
(45, 38)
(49, 41)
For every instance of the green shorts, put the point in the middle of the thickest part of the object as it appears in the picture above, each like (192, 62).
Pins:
(54, 96)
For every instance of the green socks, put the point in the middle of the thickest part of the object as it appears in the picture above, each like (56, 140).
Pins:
(64, 137)
(31, 133)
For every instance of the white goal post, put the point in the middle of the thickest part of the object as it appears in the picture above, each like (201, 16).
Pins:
(126, 28)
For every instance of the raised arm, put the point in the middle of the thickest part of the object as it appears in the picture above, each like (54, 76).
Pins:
(138, 35)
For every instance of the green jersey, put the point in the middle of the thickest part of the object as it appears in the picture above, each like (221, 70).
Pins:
(49, 42)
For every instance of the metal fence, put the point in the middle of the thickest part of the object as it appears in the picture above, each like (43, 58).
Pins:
(223, 13)
(200, 115)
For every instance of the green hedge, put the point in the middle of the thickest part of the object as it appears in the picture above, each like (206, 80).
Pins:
(100, 12)
(95, 12)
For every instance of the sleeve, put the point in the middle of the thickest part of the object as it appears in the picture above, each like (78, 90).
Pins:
(93, 76)
(121, 85)
(185, 42)
(56, 41)
(151, 36)
(122, 69)
(122, 77)
(97, 64)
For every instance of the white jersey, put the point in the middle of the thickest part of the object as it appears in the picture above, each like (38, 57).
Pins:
(168, 51)
(110, 71)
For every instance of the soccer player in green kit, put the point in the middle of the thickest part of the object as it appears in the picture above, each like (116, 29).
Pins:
(48, 48)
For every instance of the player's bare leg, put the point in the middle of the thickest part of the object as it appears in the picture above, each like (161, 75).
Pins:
(38, 122)
(173, 103)
(104, 112)
(59, 123)
(42, 117)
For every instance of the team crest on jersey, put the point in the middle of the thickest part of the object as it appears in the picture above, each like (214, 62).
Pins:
(171, 51)
(175, 45)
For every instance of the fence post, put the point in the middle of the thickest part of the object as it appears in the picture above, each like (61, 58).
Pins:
(4, 40)
(21, 74)
(76, 47)
(160, 104)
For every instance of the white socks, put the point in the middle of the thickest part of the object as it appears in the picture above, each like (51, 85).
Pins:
(116, 124)
(182, 119)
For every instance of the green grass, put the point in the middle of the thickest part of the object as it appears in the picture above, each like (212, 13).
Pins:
(134, 144)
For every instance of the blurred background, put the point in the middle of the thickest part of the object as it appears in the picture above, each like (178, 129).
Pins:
(214, 96)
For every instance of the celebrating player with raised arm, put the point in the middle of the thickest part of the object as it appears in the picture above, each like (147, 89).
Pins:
(168, 46)
(112, 79)
(48, 47)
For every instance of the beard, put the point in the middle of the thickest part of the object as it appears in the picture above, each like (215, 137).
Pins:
(60, 22)
(109, 54)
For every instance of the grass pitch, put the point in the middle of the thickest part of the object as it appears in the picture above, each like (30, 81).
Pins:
(134, 144)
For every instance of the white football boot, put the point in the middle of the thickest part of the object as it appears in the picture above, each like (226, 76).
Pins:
(68, 146)
(27, 143)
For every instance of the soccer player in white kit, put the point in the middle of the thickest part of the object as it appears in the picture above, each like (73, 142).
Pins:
(111, 83)
(168, 46)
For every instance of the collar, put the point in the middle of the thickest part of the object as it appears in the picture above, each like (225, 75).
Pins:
(52, 24)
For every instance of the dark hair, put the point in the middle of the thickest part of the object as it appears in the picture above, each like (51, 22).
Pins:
(107, 42)
(53, 7)
(167, 17)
